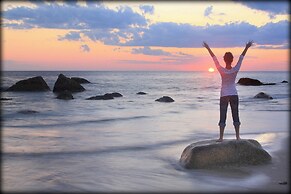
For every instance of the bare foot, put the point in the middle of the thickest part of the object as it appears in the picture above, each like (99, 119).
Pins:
(238, 138)
(219, 140)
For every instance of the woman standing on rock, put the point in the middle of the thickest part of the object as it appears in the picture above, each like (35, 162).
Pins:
(228, 92)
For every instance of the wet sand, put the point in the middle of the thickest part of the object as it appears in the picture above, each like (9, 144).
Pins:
(277, 171)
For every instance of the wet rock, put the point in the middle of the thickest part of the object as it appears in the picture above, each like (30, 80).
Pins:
(34, 84)
(284, 81)
(80, 80)
(165, 99)
(249, 82)
(212, 154)
(107, 96)
(5, 99)
(263, 95)
(27, 112)
(141, 93)
(252, 82)
(115, 94)
(64, 83)
(65, 95)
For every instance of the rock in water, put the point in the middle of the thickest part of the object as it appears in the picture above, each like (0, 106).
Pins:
(249, 82)
(34, 84)
(141, 93)
(64, 83)
(263, 95)
(252, 82)
(80, 80)
(107, 96)
(115, 94)
(5, 99)
(27, 112)
(65, 95)
(212, 154)
(165, 99)
(101, 97)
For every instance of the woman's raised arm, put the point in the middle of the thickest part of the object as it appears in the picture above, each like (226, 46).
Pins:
(208, 48)
(248, 45)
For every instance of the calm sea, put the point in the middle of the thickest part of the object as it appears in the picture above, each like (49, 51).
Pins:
(132, 143)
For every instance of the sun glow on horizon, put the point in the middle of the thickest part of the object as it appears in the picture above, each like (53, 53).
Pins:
(210, 69)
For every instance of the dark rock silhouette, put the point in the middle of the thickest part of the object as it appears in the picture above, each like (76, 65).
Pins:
(141, 93)
(249, 82)
(284, 81)
(65, 95)
(107, 96)
(116, 94)
(212, 154)
(165, 99)
(34, 84)
(27, 112)
(252, 82)
(5, 99)
(64, 83)
(263, 95)
(80, 80)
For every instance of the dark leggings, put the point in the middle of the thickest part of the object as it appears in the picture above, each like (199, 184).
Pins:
(233, 101)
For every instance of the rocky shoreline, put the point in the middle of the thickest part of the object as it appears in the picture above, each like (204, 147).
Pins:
(64, 88)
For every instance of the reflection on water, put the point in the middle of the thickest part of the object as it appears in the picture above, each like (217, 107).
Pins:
(266, 138)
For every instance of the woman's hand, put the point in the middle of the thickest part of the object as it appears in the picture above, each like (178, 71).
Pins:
(249, 44)
(208, 48)
(205, 45)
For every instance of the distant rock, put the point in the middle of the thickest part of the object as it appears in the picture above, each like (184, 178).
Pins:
(115, 94)
(263, 95)
(249, 82)
(64, 83)
(107, 96)
(65, 95)
(212, 154)
(5, 99)
(27, 112)
(252, 82)
(165, 99)
(141, 93)
(284, 81)
(34, 84)
(80, 80)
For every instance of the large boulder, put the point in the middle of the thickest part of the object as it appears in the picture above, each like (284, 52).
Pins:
(64, 83)
(263, 95)
(252, 82)
(80, 80)
(212, 154)
(165, 99)
(34, 84)
(65, 95)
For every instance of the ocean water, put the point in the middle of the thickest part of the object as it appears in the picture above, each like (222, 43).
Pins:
(132, 143)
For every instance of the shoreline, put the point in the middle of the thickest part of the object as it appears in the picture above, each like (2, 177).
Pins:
(277, 171)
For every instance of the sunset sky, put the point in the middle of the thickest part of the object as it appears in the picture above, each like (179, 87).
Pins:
(140, 35)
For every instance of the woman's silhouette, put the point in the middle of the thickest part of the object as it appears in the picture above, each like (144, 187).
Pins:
(228, 92)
